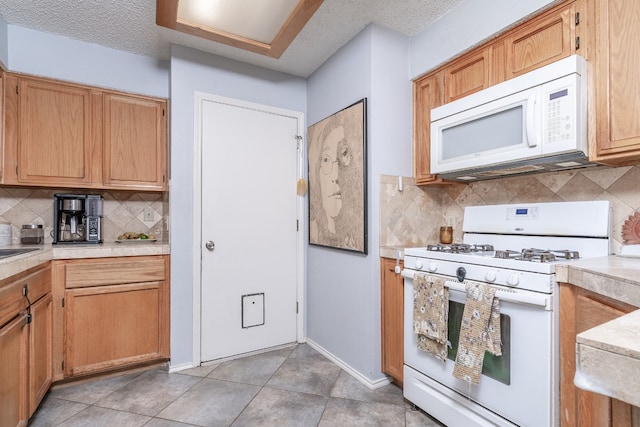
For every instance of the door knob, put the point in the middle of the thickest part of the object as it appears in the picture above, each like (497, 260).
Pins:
(210, 245)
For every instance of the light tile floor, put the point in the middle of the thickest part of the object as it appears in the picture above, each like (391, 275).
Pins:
(295, 386)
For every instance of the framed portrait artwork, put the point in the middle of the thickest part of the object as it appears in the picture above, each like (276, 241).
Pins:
(338, 179)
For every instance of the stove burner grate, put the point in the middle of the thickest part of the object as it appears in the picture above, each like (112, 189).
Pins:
(538, 255)
(460, 248)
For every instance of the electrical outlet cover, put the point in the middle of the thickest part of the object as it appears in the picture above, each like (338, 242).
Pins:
(148, 215)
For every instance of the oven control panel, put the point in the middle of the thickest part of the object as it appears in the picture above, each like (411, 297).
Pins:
(522, 214)
(496, 275)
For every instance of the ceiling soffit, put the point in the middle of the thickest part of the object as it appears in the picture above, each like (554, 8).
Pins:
(167, 16)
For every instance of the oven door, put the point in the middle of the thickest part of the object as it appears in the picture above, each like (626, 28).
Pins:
(520, 386)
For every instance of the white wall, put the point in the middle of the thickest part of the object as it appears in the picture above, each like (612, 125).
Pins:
(343, 288)
(4, 43)
(471, 22)
(47, 55)
(193, 71)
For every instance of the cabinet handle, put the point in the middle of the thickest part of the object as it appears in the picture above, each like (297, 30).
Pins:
(25, 293)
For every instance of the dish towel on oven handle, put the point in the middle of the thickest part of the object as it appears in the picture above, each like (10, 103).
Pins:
(430, 314)
(479, 331)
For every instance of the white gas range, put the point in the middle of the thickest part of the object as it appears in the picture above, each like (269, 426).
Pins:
(515, 249)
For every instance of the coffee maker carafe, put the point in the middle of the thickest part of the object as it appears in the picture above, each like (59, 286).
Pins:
(77, 218)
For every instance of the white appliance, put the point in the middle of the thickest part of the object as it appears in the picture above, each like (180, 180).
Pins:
(514, 248)
(535, 122)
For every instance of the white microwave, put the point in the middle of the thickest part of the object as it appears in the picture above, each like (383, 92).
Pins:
(532, 123)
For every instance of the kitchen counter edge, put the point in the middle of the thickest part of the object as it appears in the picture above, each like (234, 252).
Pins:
(16, 264)
(611, 276)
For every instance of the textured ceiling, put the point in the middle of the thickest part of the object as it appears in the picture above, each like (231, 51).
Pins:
(129, 25)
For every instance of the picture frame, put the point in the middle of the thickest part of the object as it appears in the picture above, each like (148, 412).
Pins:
(337, 165)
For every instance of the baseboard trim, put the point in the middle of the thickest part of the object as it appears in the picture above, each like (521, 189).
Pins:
(180, 367)
(372, 385)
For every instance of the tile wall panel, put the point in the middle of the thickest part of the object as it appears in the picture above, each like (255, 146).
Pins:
(413, 217)
(122, 211)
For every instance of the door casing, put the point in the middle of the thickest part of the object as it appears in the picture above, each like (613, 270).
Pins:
(199, 97)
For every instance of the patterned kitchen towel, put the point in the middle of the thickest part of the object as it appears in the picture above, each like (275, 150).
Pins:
(479, 332)
(430, 314)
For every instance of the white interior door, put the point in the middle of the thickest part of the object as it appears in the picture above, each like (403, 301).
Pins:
(250, 165)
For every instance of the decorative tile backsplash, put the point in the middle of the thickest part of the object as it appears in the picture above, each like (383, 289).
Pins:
(122, 211)
(413, 217)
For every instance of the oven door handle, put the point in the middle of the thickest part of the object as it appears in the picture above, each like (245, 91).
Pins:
(528, 298)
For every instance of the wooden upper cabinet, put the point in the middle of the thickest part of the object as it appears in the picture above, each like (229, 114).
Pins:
(615, 94)
(66, 135)
(48, 138)
(134, 142)
(428, 92)
(467, 75)
(541, 41)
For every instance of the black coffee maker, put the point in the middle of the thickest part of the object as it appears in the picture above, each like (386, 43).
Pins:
(77, 218)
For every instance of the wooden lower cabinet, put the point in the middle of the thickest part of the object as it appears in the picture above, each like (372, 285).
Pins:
(115, 314)
(40, 351)
(25, 344)
(582, 310)
(13, 371)
(392, 318)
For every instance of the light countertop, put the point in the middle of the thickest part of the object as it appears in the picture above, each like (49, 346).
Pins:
(612, 276)
(18, 263)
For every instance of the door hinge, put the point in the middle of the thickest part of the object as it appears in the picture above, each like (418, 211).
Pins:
(63, 365)
(63, 301)
(577, 18)
(297, 225)
(17, 90)
(577, 43)
(296, 307)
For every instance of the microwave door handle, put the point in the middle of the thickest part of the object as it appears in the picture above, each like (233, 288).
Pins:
(532, 135)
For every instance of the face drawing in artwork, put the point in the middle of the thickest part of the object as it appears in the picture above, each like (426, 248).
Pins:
(334, 156)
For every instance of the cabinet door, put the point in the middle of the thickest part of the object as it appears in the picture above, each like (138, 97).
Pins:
(467, 75)
(541, 41)
(40, 351)
(107, 327)
(582, 310)
(54, 139)
(392, 316)
(13, 372)
(617, 88)
(428, 92)
(134, 142)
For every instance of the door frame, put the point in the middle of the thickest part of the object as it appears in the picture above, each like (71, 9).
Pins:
(199, 98)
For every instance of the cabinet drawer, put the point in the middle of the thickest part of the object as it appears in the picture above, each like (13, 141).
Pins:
(111, 271)
(12, 300)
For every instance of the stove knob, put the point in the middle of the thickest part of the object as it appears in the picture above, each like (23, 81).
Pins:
(433, 266)
(491, 276)
(419, 264)
(513, 279)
